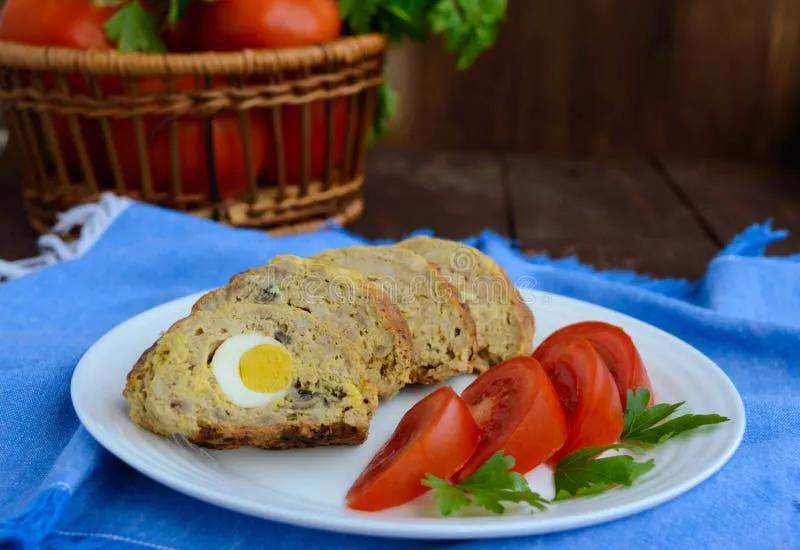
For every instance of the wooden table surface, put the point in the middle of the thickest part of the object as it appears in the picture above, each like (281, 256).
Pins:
(662, 216)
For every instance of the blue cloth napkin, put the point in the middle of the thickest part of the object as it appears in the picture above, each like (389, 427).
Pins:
(58, 488)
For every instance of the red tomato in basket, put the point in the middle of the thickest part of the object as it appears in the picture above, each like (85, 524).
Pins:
(616, 349)
(436, 435)
(66, 23)
(518, 411)
(241, 24)
(292, 130)
(228, 153)
(587, 392)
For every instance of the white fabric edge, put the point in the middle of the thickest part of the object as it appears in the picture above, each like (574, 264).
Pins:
(93, 219)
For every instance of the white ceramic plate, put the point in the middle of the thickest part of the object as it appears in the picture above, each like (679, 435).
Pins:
(307, 486)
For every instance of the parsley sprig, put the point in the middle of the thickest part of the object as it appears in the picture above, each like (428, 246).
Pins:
(582, 473)
(135, 27)
(469, 28)
(385, 107)
(491, 485)
(643, 425)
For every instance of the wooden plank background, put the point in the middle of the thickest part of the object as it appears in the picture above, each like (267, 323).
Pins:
(663, 216)
(716, 78)
(592, 128)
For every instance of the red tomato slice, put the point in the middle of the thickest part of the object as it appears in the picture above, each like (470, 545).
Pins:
(518, 411)
(616, 349)
(587, 392)
(437, 435)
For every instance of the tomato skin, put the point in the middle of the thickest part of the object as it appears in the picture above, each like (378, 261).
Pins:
(66, 23)
(616, 349)
(587, 392)
(228, 147)
(518, 411)
(228, 153)
(437, 435)
(69, 24)
(292, 130)
(240, 24)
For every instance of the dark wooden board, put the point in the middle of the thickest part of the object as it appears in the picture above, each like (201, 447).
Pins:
(731, 196)
(17, 239)
(456, 194)
(608, 213)
(707, 78)
(663, 217)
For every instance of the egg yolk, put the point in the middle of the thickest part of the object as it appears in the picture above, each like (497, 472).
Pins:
(265, 368)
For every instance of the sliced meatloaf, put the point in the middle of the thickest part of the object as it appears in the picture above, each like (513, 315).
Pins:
(441, 326)
(342, 298)
(328, 398)
(503, 321)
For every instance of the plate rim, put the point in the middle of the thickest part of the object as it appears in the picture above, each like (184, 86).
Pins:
(424, 528)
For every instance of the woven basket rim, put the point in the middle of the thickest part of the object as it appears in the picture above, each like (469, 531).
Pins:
(345, 50)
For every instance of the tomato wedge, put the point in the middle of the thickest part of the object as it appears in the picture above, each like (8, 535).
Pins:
(437, 435)
(518, 411)
(587, 392)
(616, 349)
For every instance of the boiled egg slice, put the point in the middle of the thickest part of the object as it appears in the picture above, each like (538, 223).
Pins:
(252, 370)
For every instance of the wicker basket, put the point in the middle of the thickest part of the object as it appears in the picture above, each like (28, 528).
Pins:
(274, 139)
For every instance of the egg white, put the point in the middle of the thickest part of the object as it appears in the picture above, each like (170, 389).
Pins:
(225, 366)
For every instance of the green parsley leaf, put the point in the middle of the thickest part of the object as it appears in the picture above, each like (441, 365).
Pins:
(581, 474)
(404, 18)
(176, 10)
(359, 14)
(397, 18)
(385, 107)
(449, 498)
(134, 29)
(490, 486)
(469, 27)
(641, 423)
